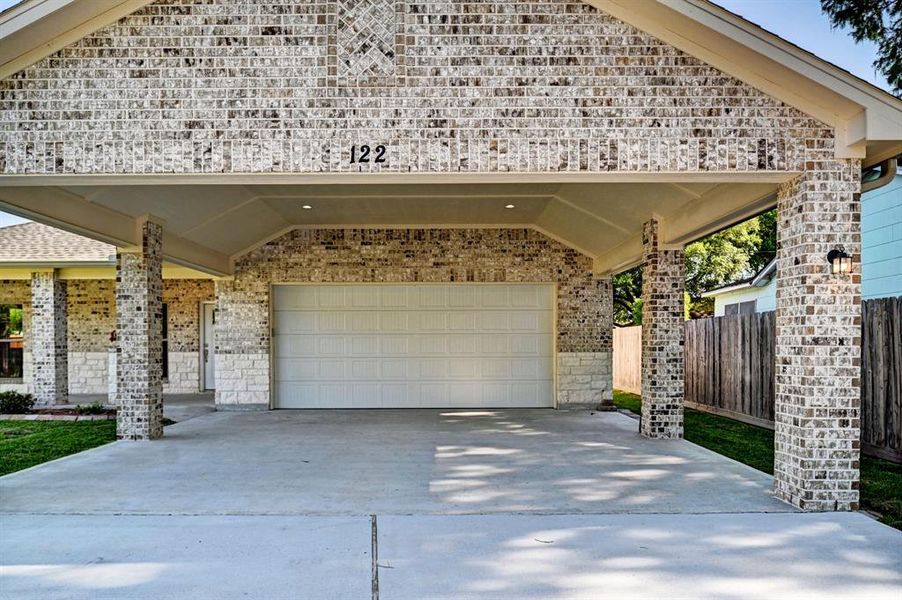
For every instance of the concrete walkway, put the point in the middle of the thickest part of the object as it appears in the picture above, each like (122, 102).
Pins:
(178, 407)
(423, 504)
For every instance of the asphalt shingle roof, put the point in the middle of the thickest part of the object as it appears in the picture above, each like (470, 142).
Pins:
(38, 243)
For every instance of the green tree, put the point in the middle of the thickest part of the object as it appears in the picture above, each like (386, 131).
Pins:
(879, 21)
(767, 249)
(628, 297)
(713, 261)
(721, 257)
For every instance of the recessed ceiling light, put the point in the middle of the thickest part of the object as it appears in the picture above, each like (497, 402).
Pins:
(306, 207)
(508, 206)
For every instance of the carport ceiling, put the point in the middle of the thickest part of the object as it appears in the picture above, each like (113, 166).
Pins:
(209, 225)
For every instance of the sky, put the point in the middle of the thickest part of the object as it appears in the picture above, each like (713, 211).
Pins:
(799, 21)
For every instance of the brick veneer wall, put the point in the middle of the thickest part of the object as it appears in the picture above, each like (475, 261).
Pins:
(817, 407)
(663, 334)
(91, 318)
(409, 255)
(92, 314)
(183, 298)
(252, 86)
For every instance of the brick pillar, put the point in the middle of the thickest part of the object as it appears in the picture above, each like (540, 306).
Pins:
(139, 325)
(818, 339)
(49, 347)
(605, 376)
(663, 323)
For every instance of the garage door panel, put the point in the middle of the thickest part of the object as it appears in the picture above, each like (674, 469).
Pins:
(331, 346)
(395, 345)
(394, 321)
(364, 345)
(493, 320)
(366, 395)
(394, 297)
(495, 368)
(328, 321)
(286, 346)
(429, 321)
(462, 320)
(463, 297)
(524, 344)
(426, 346)
(432, 345)
(365, 369)
(296, 369)
(464, 368)
(365, 297)
(462, 344)
(364, 320)
(295, 322)
(432, 368)
(494, 344)
(432, 297)
(395, 369)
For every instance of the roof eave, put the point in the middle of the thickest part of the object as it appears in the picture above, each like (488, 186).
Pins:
(34, 29)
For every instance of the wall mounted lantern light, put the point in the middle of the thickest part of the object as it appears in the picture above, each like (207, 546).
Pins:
(840, 262)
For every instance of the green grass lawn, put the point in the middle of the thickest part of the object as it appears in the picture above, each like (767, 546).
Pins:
(27, 443)
(881, 480)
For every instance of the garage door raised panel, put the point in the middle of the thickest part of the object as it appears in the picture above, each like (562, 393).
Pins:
(414, 346)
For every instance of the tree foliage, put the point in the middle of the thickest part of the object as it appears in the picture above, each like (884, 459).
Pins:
(879, 21)
(628, 297)
(719, 259)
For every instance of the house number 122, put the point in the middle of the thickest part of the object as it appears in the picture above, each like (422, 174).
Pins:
(361, 154)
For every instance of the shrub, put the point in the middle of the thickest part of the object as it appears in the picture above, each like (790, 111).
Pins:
(94, 408)
(14, 403)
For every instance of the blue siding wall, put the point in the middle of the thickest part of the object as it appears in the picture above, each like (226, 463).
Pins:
(881, 241)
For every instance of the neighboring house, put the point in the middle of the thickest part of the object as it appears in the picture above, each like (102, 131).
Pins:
(881, 241)
(412, 205)
(881, 259)
(754, 294)
(88, 269)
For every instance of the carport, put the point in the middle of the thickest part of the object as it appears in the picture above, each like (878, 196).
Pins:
(344, 144)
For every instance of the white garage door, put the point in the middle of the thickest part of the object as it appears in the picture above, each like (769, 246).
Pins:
(413, 346)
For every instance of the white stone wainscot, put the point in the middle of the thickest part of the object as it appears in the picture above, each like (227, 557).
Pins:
(88, 372)
(242, 381)
(584, 377)
(184, 373)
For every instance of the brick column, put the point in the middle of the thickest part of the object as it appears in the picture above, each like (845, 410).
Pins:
(139, 325)
(818, 339)
(49, 347)
(663, 323)
(605, 376)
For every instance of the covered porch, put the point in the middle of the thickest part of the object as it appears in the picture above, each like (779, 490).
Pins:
(569, 231)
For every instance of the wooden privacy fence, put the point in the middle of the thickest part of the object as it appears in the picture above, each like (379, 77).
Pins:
(881, 378)
(628, 359)
(730, 366)
(730, 370)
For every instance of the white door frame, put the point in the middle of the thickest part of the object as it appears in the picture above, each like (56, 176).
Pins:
(203, 351)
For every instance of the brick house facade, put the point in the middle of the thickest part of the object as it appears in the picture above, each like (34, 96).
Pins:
(259, 141)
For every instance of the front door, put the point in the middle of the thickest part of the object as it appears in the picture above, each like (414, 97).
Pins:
(208, 350)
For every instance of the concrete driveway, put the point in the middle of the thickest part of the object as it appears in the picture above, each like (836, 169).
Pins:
(422, 504)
